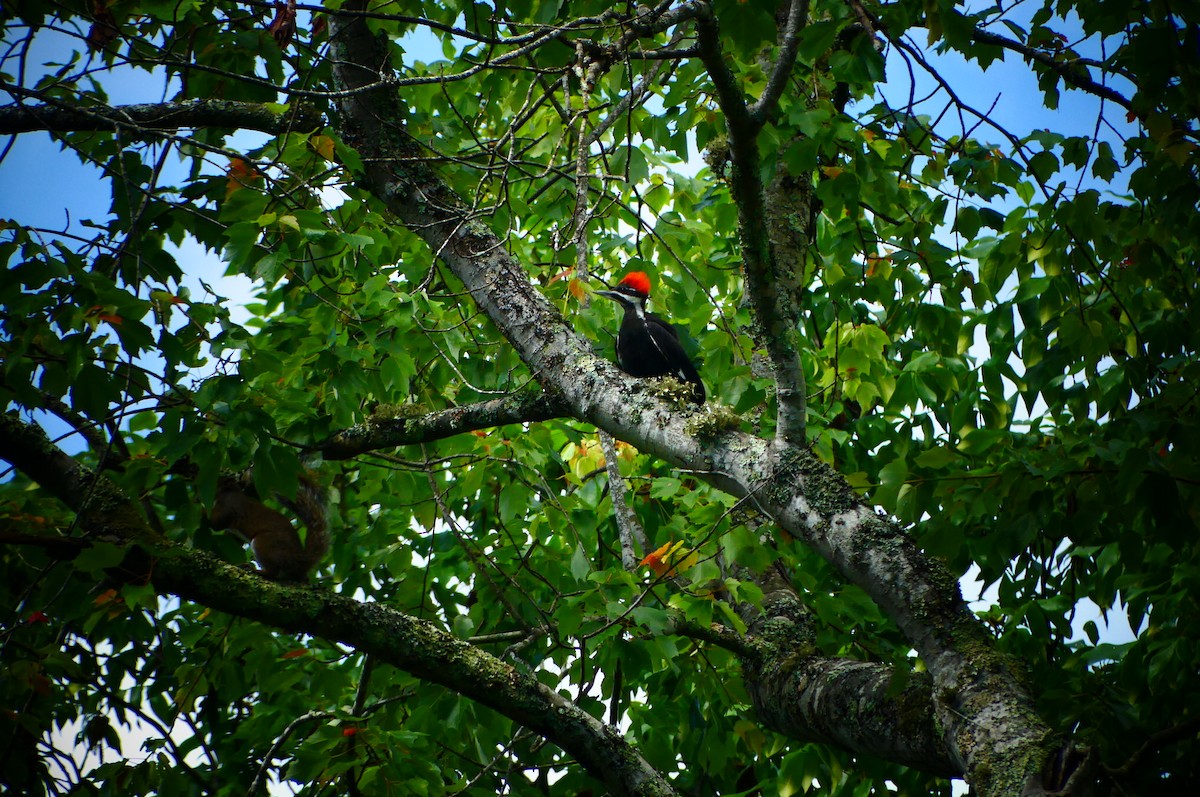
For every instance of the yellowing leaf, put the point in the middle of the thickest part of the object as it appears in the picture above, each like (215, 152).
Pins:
(106, 597)
(323, 146)
(751, 734)
(576, 288)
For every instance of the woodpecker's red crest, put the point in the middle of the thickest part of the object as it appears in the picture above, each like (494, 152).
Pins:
(636, 281)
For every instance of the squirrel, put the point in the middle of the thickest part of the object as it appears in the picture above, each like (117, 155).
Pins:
(274, 540)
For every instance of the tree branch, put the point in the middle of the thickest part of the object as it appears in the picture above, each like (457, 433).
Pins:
(857, 705)
(628, 527)
(1157, 741)
(1071, 71)
(380, 432)
(413, 645)
(157, 116)
(789, 45)
(853, 704)
(776, 315)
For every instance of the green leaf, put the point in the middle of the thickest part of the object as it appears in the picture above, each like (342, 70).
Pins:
(936, 458)
(891, 480)
(581, 565)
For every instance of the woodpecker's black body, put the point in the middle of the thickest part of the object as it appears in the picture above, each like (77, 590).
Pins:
(648, 345)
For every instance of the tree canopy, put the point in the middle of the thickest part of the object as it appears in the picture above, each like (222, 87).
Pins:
(355, 248)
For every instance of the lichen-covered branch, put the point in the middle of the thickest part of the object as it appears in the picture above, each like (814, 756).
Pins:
(852, 704)
(399, 426)
(775, 312)
(789, 45)
(157, 117)
(861, 706)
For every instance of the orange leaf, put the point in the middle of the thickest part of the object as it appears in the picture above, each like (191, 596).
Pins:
(576, 289)
(657, 560)
(654, 563)
(108, 596)
(295, 654)
(241, 174)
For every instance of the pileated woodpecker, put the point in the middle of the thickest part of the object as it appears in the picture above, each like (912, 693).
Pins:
(648, 345)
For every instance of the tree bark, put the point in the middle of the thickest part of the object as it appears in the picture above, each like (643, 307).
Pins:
(157, 117)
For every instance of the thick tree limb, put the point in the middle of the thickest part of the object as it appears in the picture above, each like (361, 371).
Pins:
(380, 432)
(774, 311)
(413, 645)
(988, 722)
(861, 706)
(157, 116)
(853, 704)
(789, 45)
(843, 702)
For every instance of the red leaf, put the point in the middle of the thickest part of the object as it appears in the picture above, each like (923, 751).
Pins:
(283, 26)
(104, 27)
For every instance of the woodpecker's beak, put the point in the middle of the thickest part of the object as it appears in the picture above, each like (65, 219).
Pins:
(616, 297)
